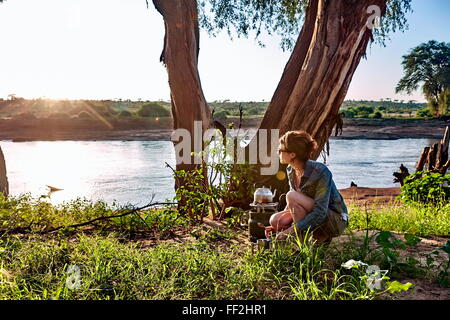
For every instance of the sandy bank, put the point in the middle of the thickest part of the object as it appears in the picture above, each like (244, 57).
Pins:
(360, 195)
(140, 130)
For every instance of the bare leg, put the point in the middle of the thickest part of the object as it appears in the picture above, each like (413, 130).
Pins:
(281, 220)
(299, 204)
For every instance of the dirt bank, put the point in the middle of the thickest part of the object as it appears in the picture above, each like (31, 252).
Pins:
(160, 129)
(361, 195)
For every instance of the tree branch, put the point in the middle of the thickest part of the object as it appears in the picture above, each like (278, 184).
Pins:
(132, 211)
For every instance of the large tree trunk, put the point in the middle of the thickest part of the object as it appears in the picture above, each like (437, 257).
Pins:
(314, 83)
(4, 188)
(190, 110)
(316, 79)
(180, 56)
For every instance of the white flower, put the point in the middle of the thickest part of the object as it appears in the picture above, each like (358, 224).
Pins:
(353, 264)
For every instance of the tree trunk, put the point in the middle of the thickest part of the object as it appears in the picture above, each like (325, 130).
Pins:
(4, 187)
(314, 83)
(436, 158)
(180, 56)
(316, 79)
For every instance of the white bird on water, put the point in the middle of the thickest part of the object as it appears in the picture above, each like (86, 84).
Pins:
(50, 191)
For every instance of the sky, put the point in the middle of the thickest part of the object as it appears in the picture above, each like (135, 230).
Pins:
(109, 49)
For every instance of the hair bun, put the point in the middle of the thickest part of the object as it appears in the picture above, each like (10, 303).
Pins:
(312, 146)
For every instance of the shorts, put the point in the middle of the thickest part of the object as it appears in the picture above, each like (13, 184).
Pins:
(333, 226)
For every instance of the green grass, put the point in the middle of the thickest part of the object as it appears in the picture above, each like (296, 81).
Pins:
(209, 263)
(27, 214)
(110, 269)
(420, 220)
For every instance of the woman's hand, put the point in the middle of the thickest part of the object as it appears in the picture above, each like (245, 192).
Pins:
(268, 231)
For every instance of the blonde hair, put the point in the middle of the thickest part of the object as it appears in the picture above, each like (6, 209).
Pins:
(299, 142)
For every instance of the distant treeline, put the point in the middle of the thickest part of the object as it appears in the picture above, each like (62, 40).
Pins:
(19, 108)
(350, 108)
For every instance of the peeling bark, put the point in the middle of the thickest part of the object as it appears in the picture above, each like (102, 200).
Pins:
(316, 79)
(335, 37)
(180, 56)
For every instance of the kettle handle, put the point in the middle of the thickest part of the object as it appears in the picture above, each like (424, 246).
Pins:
(255, 185)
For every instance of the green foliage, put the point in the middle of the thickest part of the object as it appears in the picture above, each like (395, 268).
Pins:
(27, 214)
(361, 111)
(215, 185)
(394, 20)
(232, 108)
(236, 217)
(425, 113)
(386, 254)
(426, 187)
(221, 114)
(428, 64)
(211, 235)
(411, 218)
(377, 115)
(152, 109)
(349, 113)
(254, 111)
(444, 273)
(209, 267)
(396, 287)
(125, 114)
(243, 17)
(384, 106)
(111, 269)
(283, 18)
(193, 194)
(230, 182)
(388, 245)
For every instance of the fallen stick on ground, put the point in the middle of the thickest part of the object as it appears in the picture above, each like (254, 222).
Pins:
(105, 217)
(25, 230)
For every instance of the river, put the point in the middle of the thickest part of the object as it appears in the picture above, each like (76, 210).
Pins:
(131, 171)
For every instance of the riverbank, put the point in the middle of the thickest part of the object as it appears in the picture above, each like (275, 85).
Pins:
(362, 195)
(159, 129)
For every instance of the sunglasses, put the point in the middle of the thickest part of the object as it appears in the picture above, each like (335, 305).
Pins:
(283, 150)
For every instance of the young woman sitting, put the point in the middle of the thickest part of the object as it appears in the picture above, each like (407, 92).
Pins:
(313, 203)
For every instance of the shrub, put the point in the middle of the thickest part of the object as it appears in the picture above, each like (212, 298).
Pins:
(254, 111)
(222, 114)
(152, 109)
(425, 113)
(227, 184)
(426, 187)
(349, 113)
(377, 115)
(364, 109)
(125, 114)
(359, 111)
